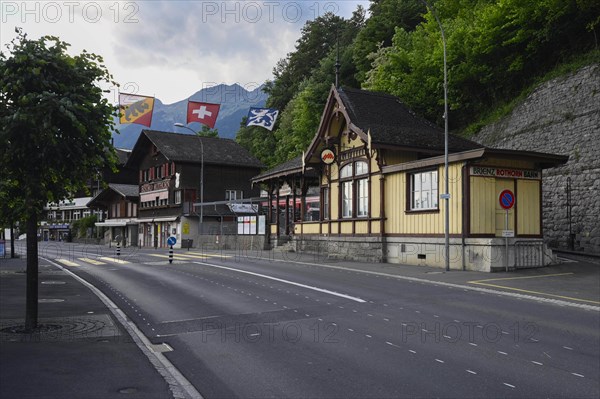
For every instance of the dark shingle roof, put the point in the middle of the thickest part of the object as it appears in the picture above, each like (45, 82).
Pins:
(393, 123)
(126, 190)
(187, 148)
(122, 155)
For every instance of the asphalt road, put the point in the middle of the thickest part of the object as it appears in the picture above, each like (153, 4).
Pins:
(242, 327)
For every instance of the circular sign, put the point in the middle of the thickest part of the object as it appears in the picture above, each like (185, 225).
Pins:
(171, 240)
(327, 156)
(506, 199)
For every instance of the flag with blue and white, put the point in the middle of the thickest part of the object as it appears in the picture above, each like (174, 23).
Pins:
(264, 117)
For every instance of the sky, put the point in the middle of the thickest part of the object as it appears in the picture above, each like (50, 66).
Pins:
(172, 49)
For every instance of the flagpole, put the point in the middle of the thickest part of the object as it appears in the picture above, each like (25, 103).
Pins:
(201, 225)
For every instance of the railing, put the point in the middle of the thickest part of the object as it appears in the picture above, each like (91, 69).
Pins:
(529, 254)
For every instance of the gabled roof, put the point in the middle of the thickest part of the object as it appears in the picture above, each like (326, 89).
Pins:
(179, 147)
(128, 191)
(125, 190)
(287, 168)
(392, 123)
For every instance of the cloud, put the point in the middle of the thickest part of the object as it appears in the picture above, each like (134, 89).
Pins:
(172, 48)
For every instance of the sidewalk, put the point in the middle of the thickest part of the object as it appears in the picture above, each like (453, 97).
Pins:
(81, 351)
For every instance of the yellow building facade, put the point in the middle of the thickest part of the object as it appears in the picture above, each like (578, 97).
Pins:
(379, 173)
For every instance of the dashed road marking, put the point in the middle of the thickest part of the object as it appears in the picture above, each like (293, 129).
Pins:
(68, 262)
(92, 261)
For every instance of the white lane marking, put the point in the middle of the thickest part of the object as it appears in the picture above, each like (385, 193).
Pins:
(471, 371)
(538, 363)
(503, 353)
(368, 336)
(92, 261)
(439, 361)
(578, 375)
(114, 260)
(352, 298)
(472, 344)
(412, 351)
(508, 385)
(568, 348)
(391, 344)
(447, 285)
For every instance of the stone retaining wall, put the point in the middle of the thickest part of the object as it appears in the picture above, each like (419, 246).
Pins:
(561, 116)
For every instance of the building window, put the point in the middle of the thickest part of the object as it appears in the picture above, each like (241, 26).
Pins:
(347, 199)
(232, 195)
(355, 189)
(178, 197)
(362, 192)
(424, 190)
(326, 203)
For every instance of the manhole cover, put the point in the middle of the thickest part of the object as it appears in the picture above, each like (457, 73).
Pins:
(50, 300)
(60, 329)
(53, 282)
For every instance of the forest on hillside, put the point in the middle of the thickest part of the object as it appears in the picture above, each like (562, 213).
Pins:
(495, 50)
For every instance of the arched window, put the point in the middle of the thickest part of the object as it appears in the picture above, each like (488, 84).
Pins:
(354, 186)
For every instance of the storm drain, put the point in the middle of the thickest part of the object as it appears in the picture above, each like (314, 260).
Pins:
(60, 329)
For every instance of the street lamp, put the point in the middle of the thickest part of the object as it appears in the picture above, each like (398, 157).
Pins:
(201, 175)
(446, 195)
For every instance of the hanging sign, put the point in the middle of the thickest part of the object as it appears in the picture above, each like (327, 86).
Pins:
(327, 156)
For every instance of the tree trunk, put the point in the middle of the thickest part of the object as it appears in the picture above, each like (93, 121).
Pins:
(31, 306)
(12, 240)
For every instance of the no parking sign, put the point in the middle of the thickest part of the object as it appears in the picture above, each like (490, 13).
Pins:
(506, 199)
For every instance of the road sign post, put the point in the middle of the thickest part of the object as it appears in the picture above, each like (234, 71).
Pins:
(171, 241)
(507, 201)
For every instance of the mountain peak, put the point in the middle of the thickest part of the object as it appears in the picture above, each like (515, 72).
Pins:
(235, 102)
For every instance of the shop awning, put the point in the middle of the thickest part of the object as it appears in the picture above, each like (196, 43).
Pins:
(158, 219)
(109, 223)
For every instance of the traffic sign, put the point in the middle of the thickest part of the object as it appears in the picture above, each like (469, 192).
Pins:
(171, 240)
(506, 199)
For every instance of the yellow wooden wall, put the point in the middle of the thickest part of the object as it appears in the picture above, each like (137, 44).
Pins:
(400, 222)
(488, 217)
(528, 207)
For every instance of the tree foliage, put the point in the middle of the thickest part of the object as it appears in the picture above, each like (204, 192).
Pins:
(495, 49)
(55, 131)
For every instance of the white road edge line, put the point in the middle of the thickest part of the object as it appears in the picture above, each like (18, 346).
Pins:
(444, 284)
(175, 380)
(352, 298)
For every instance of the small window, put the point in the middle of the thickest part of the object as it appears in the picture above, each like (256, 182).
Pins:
(363, 198)
(326, 203)
(361, 168)
(178, 197)
(346, 171)
(424, 190)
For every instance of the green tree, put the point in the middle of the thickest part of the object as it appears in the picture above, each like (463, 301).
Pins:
(259, 141)
(208, 132)
(386, 16)
(319, 37)
(55, 132)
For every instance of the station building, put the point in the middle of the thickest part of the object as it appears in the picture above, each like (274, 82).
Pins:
(378, 173)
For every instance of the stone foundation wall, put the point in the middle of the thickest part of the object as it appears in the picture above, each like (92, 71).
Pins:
(561, 116)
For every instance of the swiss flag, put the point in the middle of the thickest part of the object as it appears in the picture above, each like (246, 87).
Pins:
(204, 113)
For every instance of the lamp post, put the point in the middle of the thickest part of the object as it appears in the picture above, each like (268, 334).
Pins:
(446, 195)
(200, 227)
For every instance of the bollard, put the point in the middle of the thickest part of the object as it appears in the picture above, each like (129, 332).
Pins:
(170, 254)
(118, 249)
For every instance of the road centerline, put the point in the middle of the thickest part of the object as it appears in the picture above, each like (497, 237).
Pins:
(338, 294)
